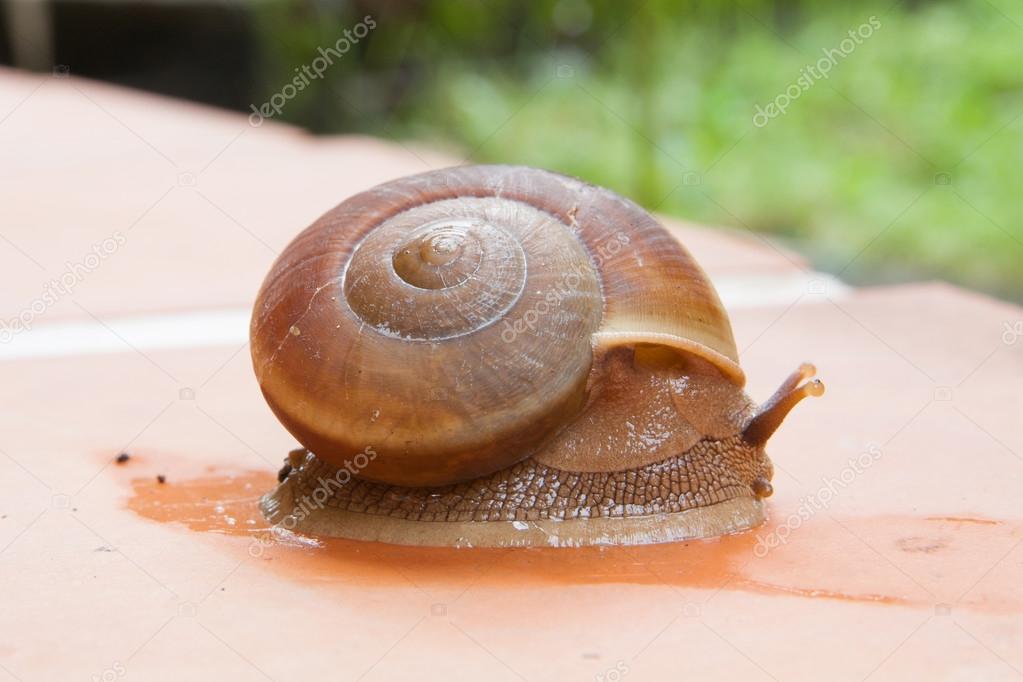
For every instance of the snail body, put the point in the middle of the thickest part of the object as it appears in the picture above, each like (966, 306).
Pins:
(515, 348)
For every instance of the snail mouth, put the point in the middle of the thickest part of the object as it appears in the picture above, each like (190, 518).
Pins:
(528, 504)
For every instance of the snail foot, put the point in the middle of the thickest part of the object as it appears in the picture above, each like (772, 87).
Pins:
(319, 499)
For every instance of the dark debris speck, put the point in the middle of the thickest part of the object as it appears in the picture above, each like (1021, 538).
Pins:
(122, 458)
(161, 478)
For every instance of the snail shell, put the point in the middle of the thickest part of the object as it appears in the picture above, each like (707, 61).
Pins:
(461, 322)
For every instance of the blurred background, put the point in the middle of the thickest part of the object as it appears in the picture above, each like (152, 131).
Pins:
(882, 140)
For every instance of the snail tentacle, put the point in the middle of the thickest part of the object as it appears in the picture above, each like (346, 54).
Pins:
(777, 407)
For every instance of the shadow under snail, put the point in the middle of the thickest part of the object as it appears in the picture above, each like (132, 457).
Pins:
(503, 356)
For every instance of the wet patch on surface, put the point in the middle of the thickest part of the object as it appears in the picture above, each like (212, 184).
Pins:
(850, 559)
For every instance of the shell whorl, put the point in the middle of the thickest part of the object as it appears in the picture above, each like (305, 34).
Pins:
(445, 278)
(448, 320)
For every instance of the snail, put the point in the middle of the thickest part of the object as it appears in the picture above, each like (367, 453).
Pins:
(505, 356)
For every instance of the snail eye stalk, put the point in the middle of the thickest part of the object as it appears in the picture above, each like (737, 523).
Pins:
(774, 411)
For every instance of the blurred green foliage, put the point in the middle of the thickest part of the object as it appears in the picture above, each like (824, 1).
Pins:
(902, 164)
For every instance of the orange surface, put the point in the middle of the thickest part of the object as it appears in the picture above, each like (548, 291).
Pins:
(904, 564)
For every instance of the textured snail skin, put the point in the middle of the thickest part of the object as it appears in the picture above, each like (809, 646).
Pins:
(704, 494)
(529, 359)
